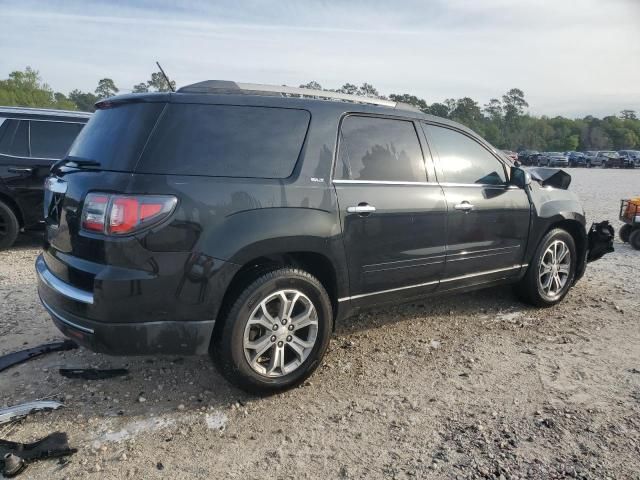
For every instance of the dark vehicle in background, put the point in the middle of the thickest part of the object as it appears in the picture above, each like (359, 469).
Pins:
(553, 159)
(632, 156)
(528, 157)
(31, 141)
(610, 159)
(593, 160)
(511, 154)
(248, 220)
(576, 159)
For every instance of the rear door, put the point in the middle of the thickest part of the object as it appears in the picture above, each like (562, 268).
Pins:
(28, 148)
(393, 218)
(488, 220)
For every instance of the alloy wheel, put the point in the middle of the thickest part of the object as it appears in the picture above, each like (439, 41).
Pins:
(280, 333)
(555, 267)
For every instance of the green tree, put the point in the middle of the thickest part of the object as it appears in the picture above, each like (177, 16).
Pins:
(158, 83)
(141, 88)
(629, 114)
(26, 89)
(106, 88)
(312, 85)
(84, 101)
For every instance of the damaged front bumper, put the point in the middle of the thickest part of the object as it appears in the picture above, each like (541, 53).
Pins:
(599, 240)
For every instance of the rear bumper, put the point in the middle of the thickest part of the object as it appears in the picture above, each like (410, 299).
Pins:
(128, 324)
(164, 337)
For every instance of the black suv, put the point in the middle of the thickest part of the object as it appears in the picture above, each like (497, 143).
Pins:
(31, 141)
(247, 220)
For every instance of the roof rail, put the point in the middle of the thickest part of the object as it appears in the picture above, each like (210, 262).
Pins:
(230, 87)
(44, 111)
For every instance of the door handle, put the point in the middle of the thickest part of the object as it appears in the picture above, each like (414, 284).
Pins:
(362, 208)
(465, 206)
(21, 170)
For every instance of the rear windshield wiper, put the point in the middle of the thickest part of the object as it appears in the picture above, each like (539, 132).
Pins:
(77, 162)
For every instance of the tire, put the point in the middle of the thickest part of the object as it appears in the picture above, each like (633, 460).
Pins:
(625, 232)
(531, 289)
(263, 374)
(9, 226)
(634, 239)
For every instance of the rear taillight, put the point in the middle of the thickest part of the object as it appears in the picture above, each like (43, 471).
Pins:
(124, 214)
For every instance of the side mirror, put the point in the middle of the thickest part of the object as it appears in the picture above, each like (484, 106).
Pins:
(519, 177)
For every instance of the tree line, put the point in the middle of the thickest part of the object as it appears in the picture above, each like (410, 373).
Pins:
(504, 121)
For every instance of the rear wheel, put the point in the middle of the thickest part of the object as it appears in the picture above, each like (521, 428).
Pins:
(625, 232)
(634, 239)
(9, 226)
(551, 271)
(276, 332)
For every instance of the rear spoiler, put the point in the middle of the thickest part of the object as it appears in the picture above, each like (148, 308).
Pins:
(550, 177)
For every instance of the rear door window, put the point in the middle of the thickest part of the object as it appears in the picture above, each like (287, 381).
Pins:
(464, 160)
(52, 139)
(226, 141)
(379, 149)
(14, 138)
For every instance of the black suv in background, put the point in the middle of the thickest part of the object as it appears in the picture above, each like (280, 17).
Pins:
(247, 220)
(31, 141)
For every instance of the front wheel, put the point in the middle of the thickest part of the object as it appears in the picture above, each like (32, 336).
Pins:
(276, 333)
(551, 271)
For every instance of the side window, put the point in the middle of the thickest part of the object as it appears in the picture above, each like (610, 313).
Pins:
(463, 160)
(14, 137)
(52, 139)
(380, 149)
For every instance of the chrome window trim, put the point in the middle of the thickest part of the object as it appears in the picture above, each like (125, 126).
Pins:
(61, 287)
(380, 182)
(44, 120)
(29, 158)
(451, 279)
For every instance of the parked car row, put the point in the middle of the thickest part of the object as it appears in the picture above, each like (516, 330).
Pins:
(588, 159)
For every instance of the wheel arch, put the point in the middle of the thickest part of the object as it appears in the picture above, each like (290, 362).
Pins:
(317, 264)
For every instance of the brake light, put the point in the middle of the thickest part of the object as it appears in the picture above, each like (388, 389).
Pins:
(124, 214)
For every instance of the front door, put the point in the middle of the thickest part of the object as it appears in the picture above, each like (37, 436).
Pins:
(488, 220)
(393, 220)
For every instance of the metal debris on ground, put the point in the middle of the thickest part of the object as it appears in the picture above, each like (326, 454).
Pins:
(93, 373)
(18, 411)
(11, 359)
(14, 455)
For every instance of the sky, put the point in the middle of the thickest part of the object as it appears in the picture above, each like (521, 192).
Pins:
(570, 57)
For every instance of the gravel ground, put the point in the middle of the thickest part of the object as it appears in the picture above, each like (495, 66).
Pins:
(472, 386)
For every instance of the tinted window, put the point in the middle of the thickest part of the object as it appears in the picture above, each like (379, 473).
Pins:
(14, 137)
(380, 149)
(463, 160)
(226, 141)
(116, 136)
(52, 139)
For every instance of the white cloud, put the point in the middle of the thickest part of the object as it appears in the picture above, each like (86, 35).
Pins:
(570, 58)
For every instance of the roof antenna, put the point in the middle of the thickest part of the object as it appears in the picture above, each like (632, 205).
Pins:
(166, 78)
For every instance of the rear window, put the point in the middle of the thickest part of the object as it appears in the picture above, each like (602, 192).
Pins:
(226, 141)
(115, 136)
(52, 139)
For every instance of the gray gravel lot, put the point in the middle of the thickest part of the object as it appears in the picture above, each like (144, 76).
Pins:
(472, 386)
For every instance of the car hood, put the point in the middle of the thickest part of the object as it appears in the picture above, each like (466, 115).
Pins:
(551, 177)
